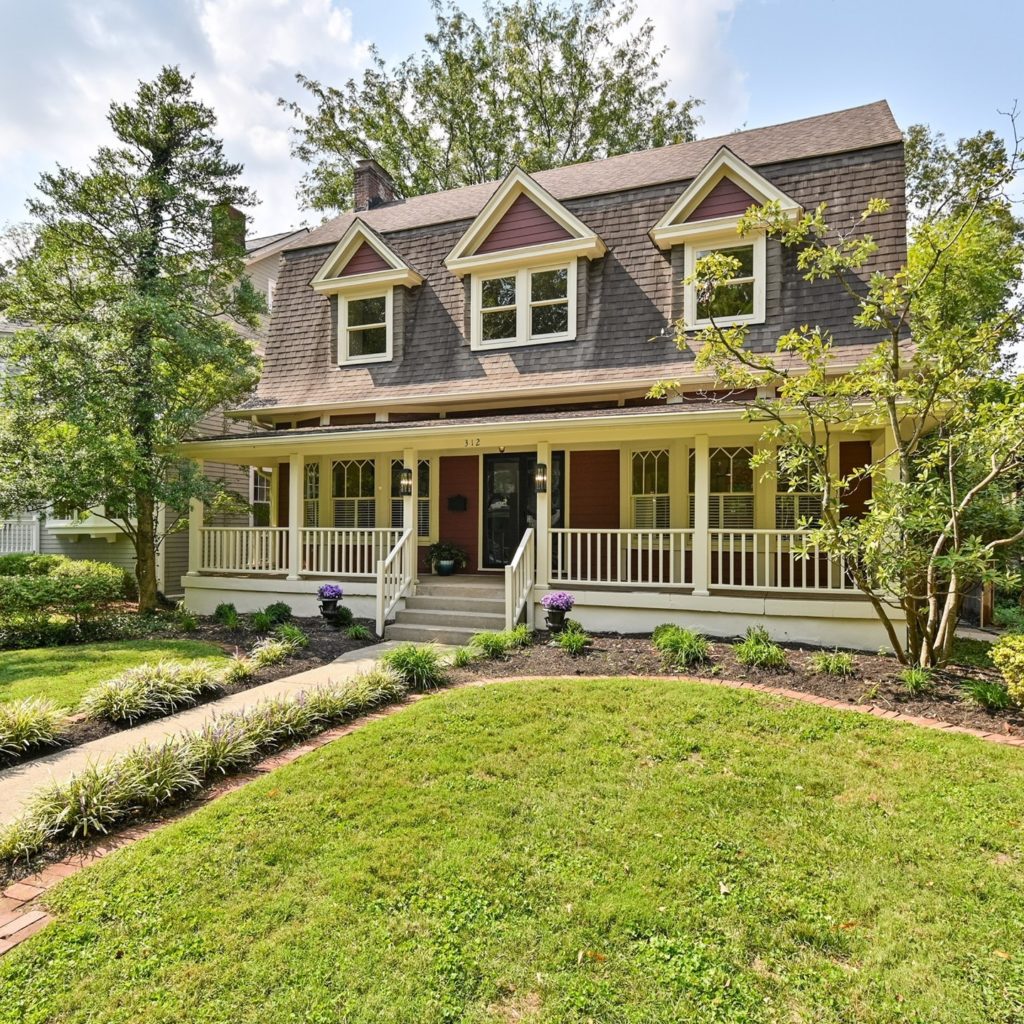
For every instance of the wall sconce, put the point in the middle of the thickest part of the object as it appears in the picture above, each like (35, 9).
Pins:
(405, 483)
(540, 477)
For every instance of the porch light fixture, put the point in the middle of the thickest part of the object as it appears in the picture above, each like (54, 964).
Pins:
(405, 483)
(540, 477)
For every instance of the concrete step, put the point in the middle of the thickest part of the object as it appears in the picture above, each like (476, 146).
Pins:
(428, 634)
(429, 602)
(484, 590)
(446, 617)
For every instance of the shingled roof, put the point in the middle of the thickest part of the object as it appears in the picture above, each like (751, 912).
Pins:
(843, 131)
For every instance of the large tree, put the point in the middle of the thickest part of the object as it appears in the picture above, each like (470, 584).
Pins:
(128, 278)
(940, 382)
(535, 84)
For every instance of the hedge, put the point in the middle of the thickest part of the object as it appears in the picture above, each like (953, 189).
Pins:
(76, 588)
(1008, 656)
(29, 565)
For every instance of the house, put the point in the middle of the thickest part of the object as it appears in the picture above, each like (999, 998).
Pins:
(89, 534)
(472, 367)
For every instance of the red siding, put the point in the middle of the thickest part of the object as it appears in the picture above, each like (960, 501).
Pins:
(594, 490)
(365, 260)
(524, 223)
(460, 475)
(726, 199)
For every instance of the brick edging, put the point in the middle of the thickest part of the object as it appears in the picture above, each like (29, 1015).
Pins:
(21, 915)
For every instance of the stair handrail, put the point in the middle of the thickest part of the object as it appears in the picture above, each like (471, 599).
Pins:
(520, 575)
(394, 577)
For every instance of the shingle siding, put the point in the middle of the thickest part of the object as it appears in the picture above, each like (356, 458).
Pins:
(627, 297)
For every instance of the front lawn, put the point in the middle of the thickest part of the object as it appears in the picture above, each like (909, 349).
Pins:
(573, 850)
(64, 673)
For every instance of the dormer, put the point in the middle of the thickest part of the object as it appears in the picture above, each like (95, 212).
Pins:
(363, 272)
(521, 255)
(705, 219)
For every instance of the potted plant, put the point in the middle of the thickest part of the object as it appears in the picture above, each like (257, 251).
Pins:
(330, 594)
(445, 557)
(557, 605)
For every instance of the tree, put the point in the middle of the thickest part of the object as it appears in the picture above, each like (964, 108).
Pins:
(129, 277)
(536, 85)
(939, 383)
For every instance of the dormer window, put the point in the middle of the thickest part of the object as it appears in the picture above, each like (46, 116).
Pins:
(365, 328)
(530, 306)
(739, 300)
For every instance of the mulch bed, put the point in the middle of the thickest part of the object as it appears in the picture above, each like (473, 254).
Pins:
(875, 679)
(326, 643)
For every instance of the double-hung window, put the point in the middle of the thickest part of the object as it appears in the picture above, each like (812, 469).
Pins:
(797, 501)
(731, 480)
(353, 494)
(311, 494)
(260, 514)
(650, 493)
(365, 328)
(524, 307)
(422, 497)
(740, 299)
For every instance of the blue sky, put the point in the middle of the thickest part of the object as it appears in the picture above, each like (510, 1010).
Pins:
(754, 62)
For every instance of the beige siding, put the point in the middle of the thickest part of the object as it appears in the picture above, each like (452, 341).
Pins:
(119, 551)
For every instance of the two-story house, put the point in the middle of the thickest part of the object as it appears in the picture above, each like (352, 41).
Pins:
(472, 367)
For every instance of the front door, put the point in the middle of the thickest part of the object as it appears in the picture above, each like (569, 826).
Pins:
(510, 502)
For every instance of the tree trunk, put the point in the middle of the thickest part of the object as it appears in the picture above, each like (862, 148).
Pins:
(145, 553)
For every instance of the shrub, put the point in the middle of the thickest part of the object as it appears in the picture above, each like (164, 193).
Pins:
(1008, 656)
(916, 680)
(1008, 616)
(462, 657)
(758, 650)
(491, 644)
(29, 565)
(342, 616)
(225, 612)
(419, 666)
(221, 747)
(44, 630)
(239, 670)
(520, 636)
(573, 626)
(289, 634)
(270, 652)
(149, 690)
(833, 663)
(573, 643)
(660, 631)
(357, 631)
(28, 724)
(185, 620)
(987, 693)
(261, 622)
(80, 589)
(682, 648)
(279, 612)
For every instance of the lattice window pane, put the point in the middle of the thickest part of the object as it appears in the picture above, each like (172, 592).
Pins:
(651, 505)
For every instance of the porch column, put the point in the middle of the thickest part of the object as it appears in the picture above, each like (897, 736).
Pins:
(295, 474)
(410, 502)
(195, 538)
(543, 539)
(701, 496)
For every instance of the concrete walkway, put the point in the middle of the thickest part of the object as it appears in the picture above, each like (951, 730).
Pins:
(17, 784)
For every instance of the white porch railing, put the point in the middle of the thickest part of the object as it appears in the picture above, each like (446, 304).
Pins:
(250, 549)
(19, 536)
(774, 560)
(519, 578)
(638, 558)
(395, 575)
(336, 552)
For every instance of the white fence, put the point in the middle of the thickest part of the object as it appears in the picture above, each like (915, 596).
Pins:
(774, 560)
(395, 575)
(637, 558)
(247, 549)
(19, 536)
(330, 552)
(519, 579)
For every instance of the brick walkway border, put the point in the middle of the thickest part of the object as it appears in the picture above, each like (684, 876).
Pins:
(22, 915)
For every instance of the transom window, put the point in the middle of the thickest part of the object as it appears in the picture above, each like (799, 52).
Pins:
(364, 328)
(311, 494)
(731, 486)
(741, 299)
(526, 307)
(423, 497)
(650, 494)
(353, 492)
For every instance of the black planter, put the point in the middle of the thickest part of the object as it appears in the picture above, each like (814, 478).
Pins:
(555, 619)
(444, 566)
(328, 607)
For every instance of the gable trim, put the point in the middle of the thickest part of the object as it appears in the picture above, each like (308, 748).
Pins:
(328, 279)
(674, 227)
(464, 258)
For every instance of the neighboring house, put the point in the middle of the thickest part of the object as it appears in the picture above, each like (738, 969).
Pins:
(90, 535)
(472, 366)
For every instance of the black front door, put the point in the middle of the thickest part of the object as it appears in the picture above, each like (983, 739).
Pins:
(510, 502)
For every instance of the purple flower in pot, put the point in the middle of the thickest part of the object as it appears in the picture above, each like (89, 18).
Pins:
(557, 604)
(330, 594)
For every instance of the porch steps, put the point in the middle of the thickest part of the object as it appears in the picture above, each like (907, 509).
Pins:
(450, 611)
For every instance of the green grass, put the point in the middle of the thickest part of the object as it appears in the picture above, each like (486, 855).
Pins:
(616, 851)
(64, 673)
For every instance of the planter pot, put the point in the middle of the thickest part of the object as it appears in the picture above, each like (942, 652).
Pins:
(444, 566)
(328, 606)
(555, 620)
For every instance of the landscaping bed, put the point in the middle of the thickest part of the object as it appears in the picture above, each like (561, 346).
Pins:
(875, 679)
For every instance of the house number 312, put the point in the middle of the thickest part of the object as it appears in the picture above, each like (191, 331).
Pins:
(471, 442)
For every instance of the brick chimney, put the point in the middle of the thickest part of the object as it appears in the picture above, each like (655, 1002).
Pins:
(374, 186)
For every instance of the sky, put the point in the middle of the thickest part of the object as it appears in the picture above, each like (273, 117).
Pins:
(753, 62)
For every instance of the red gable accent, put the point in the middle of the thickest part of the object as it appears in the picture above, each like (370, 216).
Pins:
(524, 223)
(726, 199)
(365, 260)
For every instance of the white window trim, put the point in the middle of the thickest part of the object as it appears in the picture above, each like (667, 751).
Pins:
(728, 240)
(344, 359)
(271, 289)
(523, 307)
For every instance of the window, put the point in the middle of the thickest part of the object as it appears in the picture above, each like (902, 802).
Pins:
(260, 502)
(311, 495)
(650, 496)
(739, 300)
(731, 485)
(529, 306)
(271, 288)
(423, 497)
(797, 502)
(364, 328)
(353, 494)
